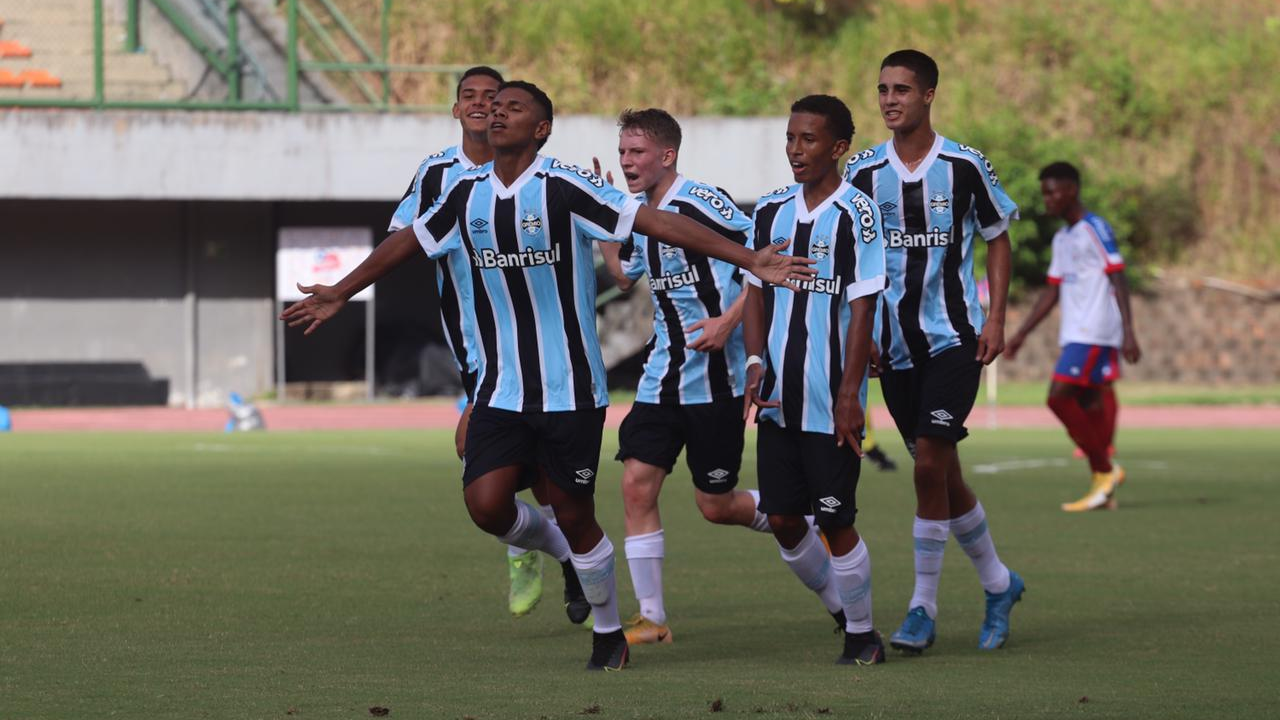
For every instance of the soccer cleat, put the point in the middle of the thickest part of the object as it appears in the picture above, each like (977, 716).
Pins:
(1117, 476)
(865, 648)
(916, 634)
(525, 571)
(575, 601)
(609, 651)
(1100, 491)
(882, 461)
(995, 626)
(640, 630)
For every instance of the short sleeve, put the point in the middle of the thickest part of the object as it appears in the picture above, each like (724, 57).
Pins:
(633, 257)
(994, 208)
(757, 239)
(600, 211)
(1057, 263)
(867, 275)
(1105, 241)
(438, 229)
(407, 210)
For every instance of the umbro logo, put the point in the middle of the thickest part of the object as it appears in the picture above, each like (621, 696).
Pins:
(829, 504)
(887, 207)
(779, 240)
(584, 476)
(942, 417)
(479, 225)
(718, 475)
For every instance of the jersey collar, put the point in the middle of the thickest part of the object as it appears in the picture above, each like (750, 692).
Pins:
(922, 168)
(467, 162)
(676, 185)
(805, 216)
(504, 192)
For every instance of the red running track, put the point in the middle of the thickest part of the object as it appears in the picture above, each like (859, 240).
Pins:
(437, 415)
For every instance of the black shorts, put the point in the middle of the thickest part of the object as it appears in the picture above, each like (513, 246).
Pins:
(712, 432)
(565, 446)
(806, 473)
(934, 398)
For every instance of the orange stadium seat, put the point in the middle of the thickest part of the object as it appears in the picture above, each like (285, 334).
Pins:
(9, 80)
(41, 79)
(14, 49)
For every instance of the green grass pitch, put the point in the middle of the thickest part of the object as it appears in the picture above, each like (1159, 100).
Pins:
(318, 575)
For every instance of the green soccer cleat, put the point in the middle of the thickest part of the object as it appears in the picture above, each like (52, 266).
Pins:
(525, 571)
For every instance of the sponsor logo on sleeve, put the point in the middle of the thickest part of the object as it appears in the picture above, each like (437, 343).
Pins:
(866, 218)
(587, 175)
(991, 171)
(713, 199)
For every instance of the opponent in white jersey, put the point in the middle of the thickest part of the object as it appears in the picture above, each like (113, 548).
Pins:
(1086, 275)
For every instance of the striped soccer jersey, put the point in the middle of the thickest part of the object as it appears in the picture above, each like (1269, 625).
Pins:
(930, 218)
(533, 278)
(1084, 254)
(688, 287)
(453, 277)
(807, 330)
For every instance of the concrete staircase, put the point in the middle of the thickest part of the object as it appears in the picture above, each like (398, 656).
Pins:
(60, 36)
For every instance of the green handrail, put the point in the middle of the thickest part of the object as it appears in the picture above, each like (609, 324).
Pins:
(228, 61)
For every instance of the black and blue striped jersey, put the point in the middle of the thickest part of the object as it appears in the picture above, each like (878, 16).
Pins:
(931, 216)
(453, 278)
(687, 287)
(533, 278)
(807, 330)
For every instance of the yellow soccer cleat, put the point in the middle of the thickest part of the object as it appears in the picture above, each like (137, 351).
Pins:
(525, 571)
(641, 630)
(1099, 495)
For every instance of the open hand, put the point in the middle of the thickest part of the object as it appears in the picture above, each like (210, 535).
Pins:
(774, 267)
(608, 177)
(324, 302)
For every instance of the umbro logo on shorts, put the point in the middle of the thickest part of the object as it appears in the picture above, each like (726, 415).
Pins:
(829, 504)
(942, 417)
(584, 476)
(718, 475)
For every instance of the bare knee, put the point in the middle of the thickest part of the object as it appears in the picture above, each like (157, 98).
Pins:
(491, 515)
(716, 508)
(788, 530)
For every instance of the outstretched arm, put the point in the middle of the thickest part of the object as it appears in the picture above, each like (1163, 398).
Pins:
(1130, 349)
(767, 264)
(999, 263)
(1044, 305)
(326, 300)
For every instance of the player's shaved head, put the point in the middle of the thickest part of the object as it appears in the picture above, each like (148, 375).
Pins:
(657, 124)
(925, 69)
(1061, 170)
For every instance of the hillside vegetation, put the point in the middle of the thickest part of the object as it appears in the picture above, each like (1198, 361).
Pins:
(1171, 107)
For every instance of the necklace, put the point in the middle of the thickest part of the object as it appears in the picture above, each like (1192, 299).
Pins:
(911, 164)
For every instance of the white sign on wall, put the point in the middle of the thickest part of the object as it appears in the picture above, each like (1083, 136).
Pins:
(319, 255)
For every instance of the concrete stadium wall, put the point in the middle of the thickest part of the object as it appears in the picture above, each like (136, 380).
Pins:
(317, 156)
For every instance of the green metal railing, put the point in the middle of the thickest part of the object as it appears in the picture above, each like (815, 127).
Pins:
(322, 50)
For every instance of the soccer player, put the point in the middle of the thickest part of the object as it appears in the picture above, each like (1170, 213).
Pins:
(1087, 274)
(936, 196)
(525, 224)
(690, 393)
(475, 91)
(809, 350)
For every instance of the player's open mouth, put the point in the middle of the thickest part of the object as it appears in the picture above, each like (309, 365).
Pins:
(497, 126)
(892, 114)
(797, 167)
(630, 176)
(478, 115)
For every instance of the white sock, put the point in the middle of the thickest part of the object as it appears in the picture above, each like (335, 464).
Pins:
(644, 557)
(853, 580)
(971, 532)
(930, 544)
(547, 512)
(760, 523)
(532, 532)
(811, 563)
(595, 572)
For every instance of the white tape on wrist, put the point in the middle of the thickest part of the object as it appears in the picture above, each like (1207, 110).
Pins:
(754, 360)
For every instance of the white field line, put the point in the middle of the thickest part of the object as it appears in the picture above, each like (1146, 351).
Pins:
(1017, 464)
